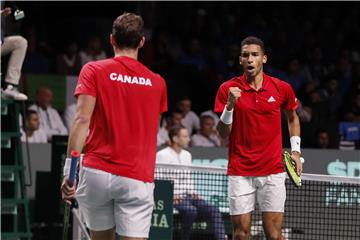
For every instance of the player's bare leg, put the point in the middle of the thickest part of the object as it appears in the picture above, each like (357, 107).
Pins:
(103, 235)
(241, 226)
(272, 223)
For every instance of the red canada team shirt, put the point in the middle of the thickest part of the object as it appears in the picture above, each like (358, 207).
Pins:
(255, 144)
(124, 124)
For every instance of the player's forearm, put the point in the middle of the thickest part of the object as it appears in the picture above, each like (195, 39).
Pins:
(294, 125)
(78, 134)
(224, 129)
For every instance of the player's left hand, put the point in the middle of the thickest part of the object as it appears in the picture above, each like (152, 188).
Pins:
(67, 192)
(296, 157)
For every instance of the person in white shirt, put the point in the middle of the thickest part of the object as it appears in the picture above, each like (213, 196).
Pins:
(190, 119)
(69, 115)
(50, 120)
(186, 200)
(172, 119)
(31, 132)
(211, 114)
(207, 136)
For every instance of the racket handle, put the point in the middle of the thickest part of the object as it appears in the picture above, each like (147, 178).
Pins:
(74, 159)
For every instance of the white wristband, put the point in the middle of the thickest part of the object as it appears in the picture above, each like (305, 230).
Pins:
(67, 165)
(295, 142)
(227, 116)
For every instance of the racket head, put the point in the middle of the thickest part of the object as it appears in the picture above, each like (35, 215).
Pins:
(290, 168)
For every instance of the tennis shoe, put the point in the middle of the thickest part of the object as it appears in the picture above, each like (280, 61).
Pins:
(12, 93)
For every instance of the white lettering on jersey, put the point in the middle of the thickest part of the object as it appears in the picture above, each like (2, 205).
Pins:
(130, 79)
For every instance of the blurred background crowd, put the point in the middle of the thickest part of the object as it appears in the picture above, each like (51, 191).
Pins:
(314, 46)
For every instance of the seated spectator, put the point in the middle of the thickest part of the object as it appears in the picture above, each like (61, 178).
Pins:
(352, 113)
(331, 94)
(50, 120)
(194, 55)
(172, 119)
(322, 139)
(186, 200)
(93, 51)
(349, 135)
(190, 120)
(315, 66)
(69, 62)
(320, 110)
(32, 131)
(343, 73)
(69, 115)
(207, 136)
(15, 46)
(211, 114)
(36, 60)
(295, 74)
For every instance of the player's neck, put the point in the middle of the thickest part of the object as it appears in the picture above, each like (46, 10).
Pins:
(256, 81)
(131, 53)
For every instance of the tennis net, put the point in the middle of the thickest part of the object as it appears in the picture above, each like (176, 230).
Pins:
(325, 207)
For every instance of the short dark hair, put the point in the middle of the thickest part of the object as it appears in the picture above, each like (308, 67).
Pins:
(253, 40)
(321, 130)
(128, 29)
(29, 113)
(204, 117)
(174, 131)
(175, 111)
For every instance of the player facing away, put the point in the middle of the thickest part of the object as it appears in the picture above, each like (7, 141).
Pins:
(251, 117)
(117, 115)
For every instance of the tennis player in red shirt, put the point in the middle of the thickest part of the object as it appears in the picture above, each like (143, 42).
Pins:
(250, 107)
(119, 102)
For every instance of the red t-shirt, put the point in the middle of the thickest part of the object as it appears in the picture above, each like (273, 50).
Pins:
(124, 124)
(255, 144)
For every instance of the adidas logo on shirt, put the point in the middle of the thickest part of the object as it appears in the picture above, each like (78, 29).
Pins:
(271, 99)
(130, 79)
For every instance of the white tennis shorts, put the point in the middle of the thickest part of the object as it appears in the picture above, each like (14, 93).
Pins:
(108, 200)
(269, 191)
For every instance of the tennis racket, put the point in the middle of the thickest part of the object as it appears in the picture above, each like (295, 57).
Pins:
(74, 159)
(290, 168)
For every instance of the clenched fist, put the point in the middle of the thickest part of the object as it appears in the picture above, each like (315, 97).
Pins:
(233, 95)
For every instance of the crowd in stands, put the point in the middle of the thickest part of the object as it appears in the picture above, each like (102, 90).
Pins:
(195, 47)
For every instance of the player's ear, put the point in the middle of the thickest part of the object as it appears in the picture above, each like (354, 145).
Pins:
(142, 42)
(240, 60)
(264, 59)
(113, 41)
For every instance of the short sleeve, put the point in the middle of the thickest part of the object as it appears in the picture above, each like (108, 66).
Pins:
(87, 81)
(221, 99)
(290, 101)
(163, 103)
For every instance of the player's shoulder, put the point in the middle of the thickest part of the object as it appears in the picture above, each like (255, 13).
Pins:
(232, 82)
(154, 75)
(278, 82)
(96, 65)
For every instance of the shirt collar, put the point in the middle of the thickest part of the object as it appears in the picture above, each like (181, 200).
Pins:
(247, 86)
